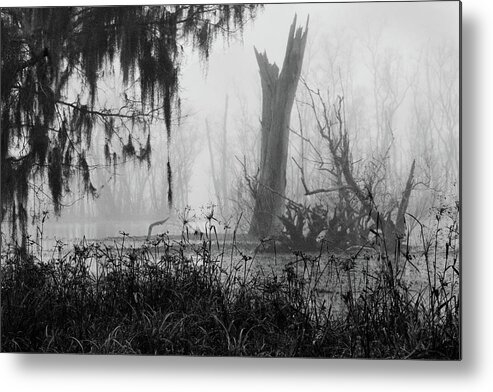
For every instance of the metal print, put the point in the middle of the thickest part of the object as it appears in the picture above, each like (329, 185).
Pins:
(267, 180)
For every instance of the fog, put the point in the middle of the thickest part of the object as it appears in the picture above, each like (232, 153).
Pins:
(412, 31)
(395, 64)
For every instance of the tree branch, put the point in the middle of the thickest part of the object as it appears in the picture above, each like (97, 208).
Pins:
(309, 192)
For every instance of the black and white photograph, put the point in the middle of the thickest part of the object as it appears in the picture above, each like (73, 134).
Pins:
(246, 180)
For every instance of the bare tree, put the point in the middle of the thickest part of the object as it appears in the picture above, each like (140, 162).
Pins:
(278, 92)
(388, 224)
(219, 158)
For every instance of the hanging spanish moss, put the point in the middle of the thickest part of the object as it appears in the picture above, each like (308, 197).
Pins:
(55, 177)
(85, 176)
(46, 50)
(145, 151)
(107, 154)
(128, 149)
(170, 185)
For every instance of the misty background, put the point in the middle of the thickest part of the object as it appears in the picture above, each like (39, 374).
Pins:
(396, 65)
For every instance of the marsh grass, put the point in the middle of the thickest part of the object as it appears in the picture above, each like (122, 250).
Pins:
(207, 298)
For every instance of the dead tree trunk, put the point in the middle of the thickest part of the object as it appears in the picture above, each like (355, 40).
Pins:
(278, 92)
(149, 230)
(220, 176)
(215, 179)
(225, 160)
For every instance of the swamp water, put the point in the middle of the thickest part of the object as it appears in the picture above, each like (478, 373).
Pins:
(329, 278)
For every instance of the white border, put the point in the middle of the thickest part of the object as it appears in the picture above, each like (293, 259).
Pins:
(474, 373)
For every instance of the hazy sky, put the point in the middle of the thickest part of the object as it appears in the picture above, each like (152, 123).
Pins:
(405, 27)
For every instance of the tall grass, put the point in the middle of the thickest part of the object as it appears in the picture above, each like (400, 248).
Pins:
(207, 297)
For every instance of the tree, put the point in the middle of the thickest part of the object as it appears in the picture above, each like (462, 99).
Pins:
(278, 92)
(358, 196)
(219, 158)
(47, 124)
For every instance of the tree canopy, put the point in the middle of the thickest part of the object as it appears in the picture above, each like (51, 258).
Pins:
(47, 124)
